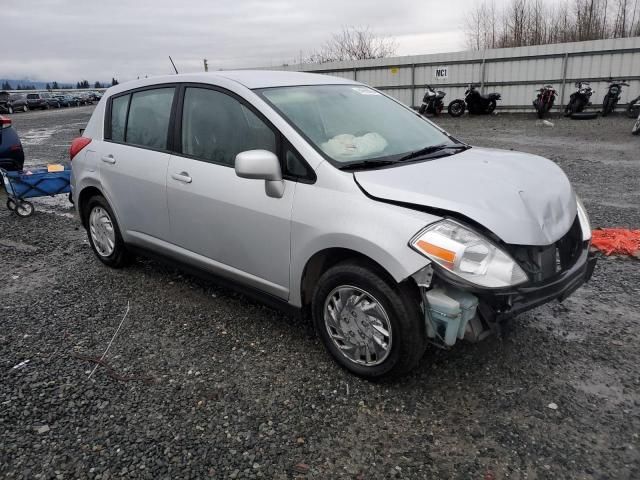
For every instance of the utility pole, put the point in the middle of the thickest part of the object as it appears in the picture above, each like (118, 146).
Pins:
(206, 65)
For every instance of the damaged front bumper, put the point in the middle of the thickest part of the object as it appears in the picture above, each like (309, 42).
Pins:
(504, 304)
(496, 305)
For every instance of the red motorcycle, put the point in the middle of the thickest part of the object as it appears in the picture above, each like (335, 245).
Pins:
(545, 99)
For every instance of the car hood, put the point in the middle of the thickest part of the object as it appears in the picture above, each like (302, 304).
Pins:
(522, 198)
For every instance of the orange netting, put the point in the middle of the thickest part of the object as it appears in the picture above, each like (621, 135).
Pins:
(617, 241)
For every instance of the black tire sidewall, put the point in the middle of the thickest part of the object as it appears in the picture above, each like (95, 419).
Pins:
(452, 106)
(407, 328)
(119, 257)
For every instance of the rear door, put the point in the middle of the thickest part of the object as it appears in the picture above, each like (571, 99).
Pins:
(225, 223)
(133, 161)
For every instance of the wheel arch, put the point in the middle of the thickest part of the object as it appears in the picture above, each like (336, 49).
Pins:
(83, 199)
(323, 260)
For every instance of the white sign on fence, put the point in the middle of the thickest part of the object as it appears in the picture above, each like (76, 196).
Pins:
(440, 73)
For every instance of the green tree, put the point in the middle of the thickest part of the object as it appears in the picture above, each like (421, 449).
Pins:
(55, 86)
(114, 81)
(97, 85)
(6, 86)
(47, 87)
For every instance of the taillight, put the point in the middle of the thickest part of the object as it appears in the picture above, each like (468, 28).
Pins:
(77, 145)
(5, 122)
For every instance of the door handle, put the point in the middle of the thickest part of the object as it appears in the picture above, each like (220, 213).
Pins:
(181, 177)
(108, 159)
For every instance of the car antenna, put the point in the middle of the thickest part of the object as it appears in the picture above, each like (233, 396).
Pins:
(174, 65)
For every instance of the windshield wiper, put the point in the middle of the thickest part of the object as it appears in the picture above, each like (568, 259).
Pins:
(367, 164)
(431, 149)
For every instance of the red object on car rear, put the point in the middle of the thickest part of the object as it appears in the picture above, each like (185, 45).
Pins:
(77, 145)
(5, 122)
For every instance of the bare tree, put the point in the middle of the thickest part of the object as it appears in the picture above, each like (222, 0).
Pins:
(354, 43)
(538, 22)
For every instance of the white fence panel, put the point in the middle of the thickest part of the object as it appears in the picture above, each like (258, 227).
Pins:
(514, 72)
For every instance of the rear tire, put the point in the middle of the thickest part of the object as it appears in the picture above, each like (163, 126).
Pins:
(607, 106)
(115, 255)
(25, 109)
(631, 111)
(381, 298)
(456, 108)
(636, 128)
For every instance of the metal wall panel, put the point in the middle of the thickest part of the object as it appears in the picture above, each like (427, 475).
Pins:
(514, 72)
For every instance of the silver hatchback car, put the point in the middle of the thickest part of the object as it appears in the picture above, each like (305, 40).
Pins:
(330, 198)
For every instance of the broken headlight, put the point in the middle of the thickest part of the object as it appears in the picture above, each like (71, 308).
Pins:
(468, 255)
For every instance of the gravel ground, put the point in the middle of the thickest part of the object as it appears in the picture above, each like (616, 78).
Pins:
(206, 383)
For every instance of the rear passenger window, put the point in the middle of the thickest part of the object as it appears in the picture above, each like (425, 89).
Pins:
(119, 107)
(149, 118)
(216, 127)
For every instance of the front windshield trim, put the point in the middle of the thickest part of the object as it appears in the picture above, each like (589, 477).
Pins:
(337, 164)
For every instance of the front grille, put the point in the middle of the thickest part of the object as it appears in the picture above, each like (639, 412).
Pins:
(543, 263)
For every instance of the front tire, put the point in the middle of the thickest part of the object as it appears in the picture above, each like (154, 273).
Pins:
(456, 108)
(104, 233)
(368, 323)
(491, 106)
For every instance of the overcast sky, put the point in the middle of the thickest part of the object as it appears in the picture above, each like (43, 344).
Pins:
(70, 40)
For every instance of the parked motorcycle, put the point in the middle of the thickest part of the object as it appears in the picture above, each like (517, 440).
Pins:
(432, 102)
(612, 97)
(633, 108)
(544, 100)
(636, 127)
(476, 103)
(579, 99)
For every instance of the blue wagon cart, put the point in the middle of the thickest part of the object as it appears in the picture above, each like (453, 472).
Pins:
(35, 182)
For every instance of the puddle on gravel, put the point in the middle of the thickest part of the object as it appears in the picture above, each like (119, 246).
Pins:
(602, 383)
(37, 136)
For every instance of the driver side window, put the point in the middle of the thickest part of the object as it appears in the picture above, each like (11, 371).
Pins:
(216, 127)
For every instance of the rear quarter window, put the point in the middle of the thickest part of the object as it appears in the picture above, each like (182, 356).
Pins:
(119, 107)
(33, 96)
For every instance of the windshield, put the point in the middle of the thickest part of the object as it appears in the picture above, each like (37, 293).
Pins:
(353, 123)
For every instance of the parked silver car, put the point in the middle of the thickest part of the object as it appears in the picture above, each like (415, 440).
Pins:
(331, 198)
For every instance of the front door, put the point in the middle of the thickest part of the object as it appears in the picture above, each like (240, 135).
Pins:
(225, 223)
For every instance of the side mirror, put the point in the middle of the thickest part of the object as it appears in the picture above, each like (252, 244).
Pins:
(261, 165)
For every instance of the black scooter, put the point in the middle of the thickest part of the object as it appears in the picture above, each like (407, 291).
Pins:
(432, 102)
(477, 103)
(612, 97)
